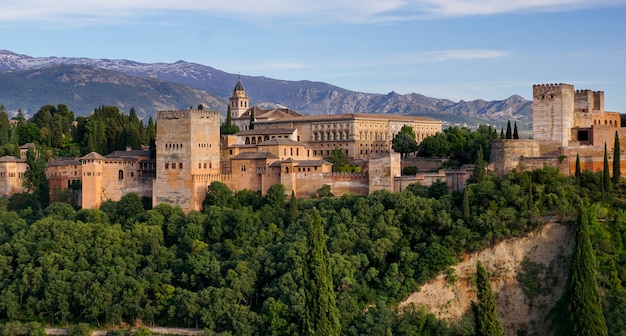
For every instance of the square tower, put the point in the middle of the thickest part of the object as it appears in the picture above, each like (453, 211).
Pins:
(553, 113)
(187, 157)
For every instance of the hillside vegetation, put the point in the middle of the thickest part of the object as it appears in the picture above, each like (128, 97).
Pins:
(240, 266)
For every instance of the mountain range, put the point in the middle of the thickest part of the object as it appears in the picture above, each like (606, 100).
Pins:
(27, 83)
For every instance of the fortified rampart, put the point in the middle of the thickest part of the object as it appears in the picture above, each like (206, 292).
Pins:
(566, 123)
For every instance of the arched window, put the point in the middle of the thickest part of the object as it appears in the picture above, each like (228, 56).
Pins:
(120, 175)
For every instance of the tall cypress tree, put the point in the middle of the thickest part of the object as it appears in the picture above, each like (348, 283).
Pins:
(466, 206)
(322, 316)
(515, 134)
(577, 171)
(487, 322)
(480, 167)
(508, 130)
(584, 306)
(252, 118)
(501, 133)
(606, 176)
(617, 170)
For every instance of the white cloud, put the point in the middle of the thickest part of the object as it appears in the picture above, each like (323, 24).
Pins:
(89, 11)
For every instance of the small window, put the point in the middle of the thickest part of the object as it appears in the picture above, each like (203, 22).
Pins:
(180, 165)
(167, 165)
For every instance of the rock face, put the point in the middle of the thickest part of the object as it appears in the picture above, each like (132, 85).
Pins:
(528, 275)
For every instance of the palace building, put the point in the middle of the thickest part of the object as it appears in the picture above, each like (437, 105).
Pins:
(273, 146)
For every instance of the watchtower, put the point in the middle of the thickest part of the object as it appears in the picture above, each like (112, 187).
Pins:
(187, 157)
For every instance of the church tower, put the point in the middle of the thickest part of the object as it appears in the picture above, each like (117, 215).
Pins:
(238, 100)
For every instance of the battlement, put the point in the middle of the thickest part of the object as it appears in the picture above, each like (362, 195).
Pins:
(178, 114)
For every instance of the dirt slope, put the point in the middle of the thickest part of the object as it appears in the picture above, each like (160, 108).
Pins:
(527, 274)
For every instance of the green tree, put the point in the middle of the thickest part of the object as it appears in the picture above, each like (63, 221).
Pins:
(515, 134)
(228, 127)
(480, 167)
(606, 177)
(35, 180)
(584, 304)
(434, 146)
(322, 316)
(404, 142)
(338, 157)
(577, 171)
(487, 322)
(252, 119)
(508, 130)
(617, 169)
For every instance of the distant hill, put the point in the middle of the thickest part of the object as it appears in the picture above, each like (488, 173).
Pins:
(84, 88)
(157, 88)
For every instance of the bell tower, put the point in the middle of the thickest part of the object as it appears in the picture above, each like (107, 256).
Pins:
(239, 100)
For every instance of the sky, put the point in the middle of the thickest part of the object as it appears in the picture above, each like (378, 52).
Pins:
(453, 49)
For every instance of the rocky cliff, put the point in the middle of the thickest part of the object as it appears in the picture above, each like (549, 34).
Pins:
(528, 275)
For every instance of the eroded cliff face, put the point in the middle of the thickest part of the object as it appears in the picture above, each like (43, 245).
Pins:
(528, 276)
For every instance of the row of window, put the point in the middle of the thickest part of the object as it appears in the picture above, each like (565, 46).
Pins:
(172, 165)
(4, 174)
(204, 145)
(258, 140)
(606, 122)
(329, 136)
(200, 165)
(173, 145)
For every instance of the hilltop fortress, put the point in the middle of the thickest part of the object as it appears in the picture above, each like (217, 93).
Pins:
(566, 123)
(286, 147)
(273, 146)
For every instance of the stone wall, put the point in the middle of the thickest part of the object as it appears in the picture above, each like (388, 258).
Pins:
(382, 171)
(507, 154)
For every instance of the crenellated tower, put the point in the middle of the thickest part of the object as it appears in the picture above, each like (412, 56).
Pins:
(553, 113)
(239, 101)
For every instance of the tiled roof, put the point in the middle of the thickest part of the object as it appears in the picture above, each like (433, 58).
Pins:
(93, 156)
(130, 153)
(281, 141)
(254, 155)
(267, 131)
(10, 158)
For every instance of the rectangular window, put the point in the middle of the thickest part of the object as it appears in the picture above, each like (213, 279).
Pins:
(167, 165)
(180, 165)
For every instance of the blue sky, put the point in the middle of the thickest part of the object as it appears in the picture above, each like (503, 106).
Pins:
(455, 49)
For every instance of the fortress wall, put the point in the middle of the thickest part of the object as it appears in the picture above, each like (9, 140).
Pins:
(422, 164)
(507, 154)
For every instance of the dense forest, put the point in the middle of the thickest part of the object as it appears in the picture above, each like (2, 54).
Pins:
(252, 264)
(242, 266)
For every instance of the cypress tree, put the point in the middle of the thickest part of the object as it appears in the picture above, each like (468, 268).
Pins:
(466, 206)
(515, 135)
(487, 322)
(584, 306)
(508, 130)
(294, 213)
(480, 167)
(606, 177)
(252, 118)
(322, 316)
(577, 172)
(501, 133)
(617, 170)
